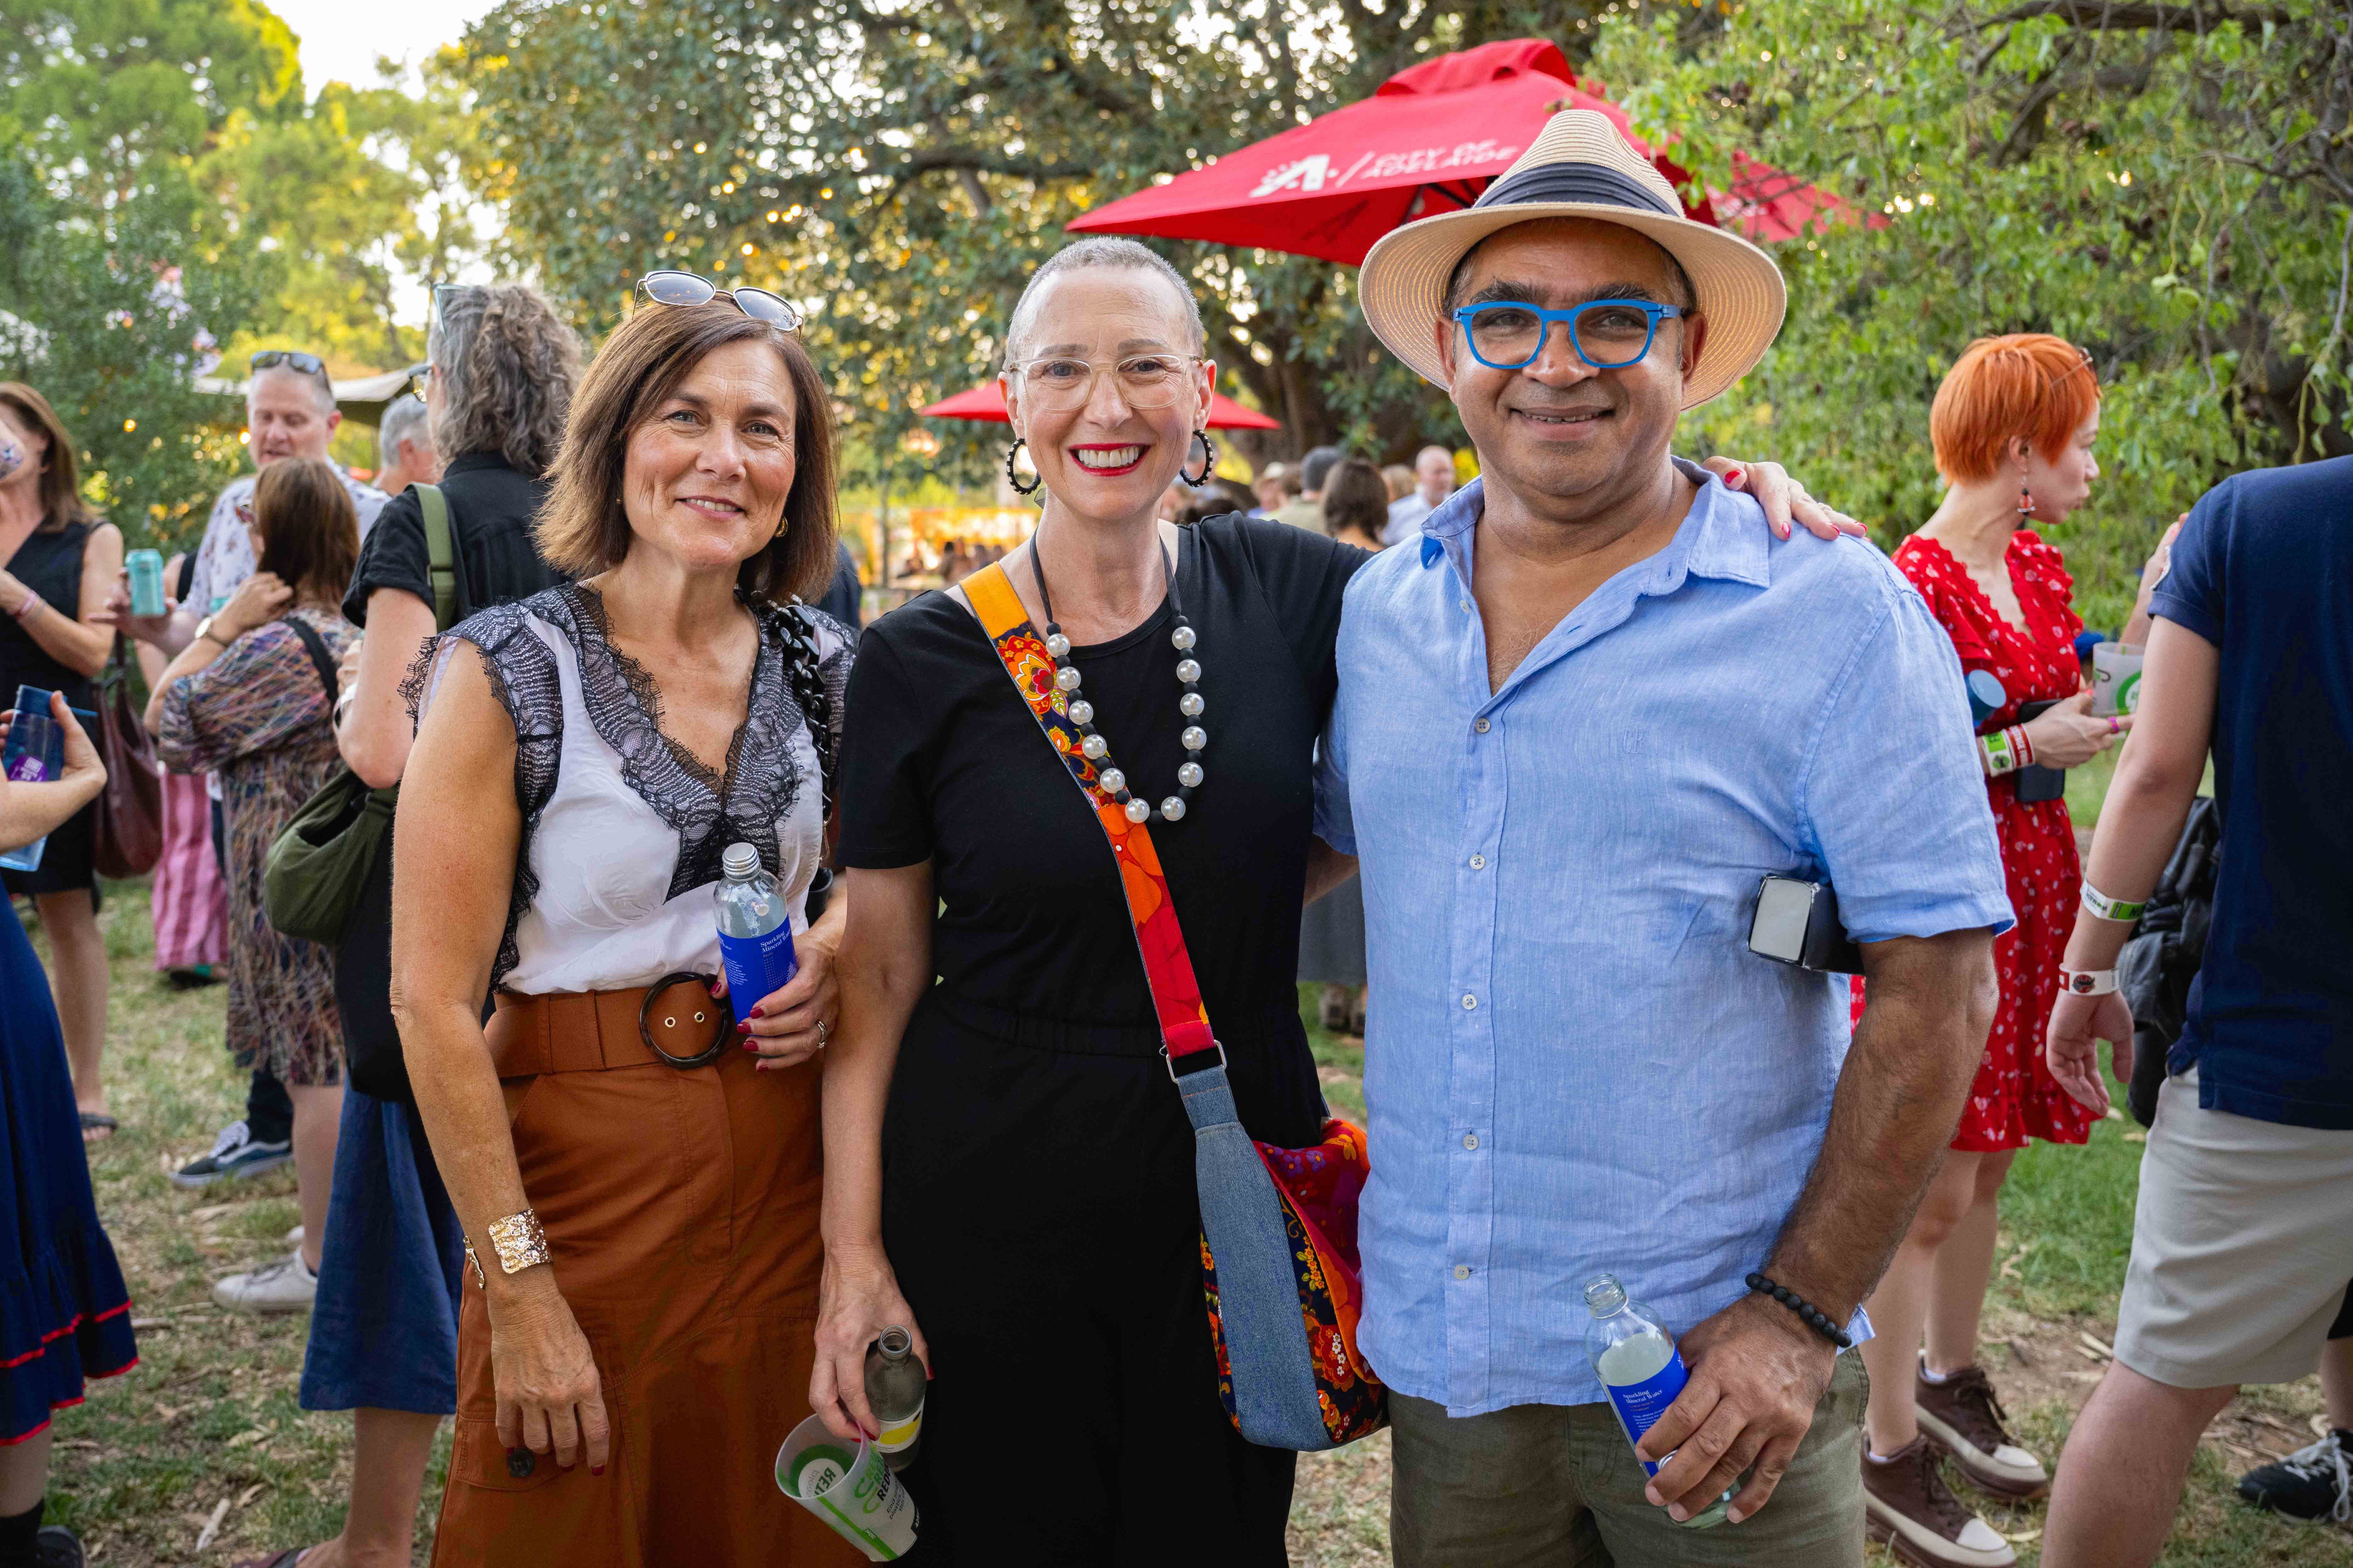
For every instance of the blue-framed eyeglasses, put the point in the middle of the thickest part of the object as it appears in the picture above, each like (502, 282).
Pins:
(1608, 335)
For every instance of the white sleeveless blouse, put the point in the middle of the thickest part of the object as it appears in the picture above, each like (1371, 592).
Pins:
(622, 829)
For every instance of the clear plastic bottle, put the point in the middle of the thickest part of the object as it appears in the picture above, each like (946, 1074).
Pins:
(755, 931)
(1641, 1370)
(895, 1384)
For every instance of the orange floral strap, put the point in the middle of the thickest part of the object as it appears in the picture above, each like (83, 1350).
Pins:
(1159, 939)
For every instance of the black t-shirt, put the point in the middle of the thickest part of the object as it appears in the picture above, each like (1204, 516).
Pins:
(490, 508)
(943, 761)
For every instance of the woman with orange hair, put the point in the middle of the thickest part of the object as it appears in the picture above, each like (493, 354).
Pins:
(2013, 426)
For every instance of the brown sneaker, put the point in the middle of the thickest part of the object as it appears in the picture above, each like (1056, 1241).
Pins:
(1963, 1417)
(1907, 1506)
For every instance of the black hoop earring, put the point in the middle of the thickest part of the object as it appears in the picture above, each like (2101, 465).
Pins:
(1209, 461)
(1013, 479)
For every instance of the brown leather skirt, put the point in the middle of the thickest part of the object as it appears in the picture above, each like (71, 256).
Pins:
(680, 1205)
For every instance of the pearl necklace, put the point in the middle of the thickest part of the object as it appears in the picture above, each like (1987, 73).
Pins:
(1108, 776)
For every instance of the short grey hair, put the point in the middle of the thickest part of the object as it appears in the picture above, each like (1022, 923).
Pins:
(321, 386)
(404, 420)
(1105, 250)
(508, 363)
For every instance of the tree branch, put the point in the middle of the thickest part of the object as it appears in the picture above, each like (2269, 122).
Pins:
(2107, 15)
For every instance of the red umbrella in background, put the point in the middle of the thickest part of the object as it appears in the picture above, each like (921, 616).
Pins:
(1428, 141)
(987, 401)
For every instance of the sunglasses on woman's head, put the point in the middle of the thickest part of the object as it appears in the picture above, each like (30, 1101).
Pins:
(291, 359)
(686, 288)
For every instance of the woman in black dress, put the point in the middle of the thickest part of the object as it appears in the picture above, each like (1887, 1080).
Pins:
(1006, 1146)
(58, 562)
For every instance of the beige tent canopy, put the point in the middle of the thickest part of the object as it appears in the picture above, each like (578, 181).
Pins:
(361, 398)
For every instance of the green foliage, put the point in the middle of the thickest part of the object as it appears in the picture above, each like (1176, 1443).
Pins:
(108, 317)
(903, 170)
(2157, 183)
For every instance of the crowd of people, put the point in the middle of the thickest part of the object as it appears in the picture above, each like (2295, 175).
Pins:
(1499, 764)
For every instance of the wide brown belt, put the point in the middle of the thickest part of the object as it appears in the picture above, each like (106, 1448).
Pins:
(588, 1031)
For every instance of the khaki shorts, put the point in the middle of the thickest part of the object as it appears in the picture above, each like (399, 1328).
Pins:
(2242, 1241)
(1555, 1485)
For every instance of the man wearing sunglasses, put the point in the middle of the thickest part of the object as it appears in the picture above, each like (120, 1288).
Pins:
(290, 412)
(1581, 719)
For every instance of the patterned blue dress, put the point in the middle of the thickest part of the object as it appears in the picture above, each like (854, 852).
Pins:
(65, 1313)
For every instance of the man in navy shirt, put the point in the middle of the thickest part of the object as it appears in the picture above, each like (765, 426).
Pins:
(2243, 1238)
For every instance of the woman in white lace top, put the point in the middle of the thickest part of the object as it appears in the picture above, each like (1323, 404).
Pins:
(637, 1175)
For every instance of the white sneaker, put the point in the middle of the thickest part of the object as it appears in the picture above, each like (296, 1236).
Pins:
(285, 1286)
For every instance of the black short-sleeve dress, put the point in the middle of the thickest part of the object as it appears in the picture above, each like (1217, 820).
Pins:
(1039, 1204)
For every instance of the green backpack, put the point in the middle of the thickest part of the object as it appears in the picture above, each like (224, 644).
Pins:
(320, 864)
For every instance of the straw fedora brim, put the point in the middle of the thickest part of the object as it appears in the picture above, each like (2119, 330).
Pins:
(1402, 284)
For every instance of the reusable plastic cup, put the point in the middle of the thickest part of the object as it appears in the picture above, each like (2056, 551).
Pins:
(848, 1488)
(2116, 679)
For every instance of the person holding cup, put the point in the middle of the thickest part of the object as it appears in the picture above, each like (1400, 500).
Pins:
(2013, 427)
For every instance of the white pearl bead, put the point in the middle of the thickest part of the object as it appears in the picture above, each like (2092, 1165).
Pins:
(1190, 705)
(1083, 712)
(1057, 647)
(1093, 745)
(1137, 811)
(1172, 808)
(1189, 774)
(1067, 679)
(1188, 670)
(1181, 638)
(1112, 779)
(1193, 738)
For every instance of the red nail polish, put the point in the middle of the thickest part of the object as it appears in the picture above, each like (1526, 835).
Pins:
(744, 1028)
(758, 1013)
(595, 1470)
(1732, 477)
(751, 1044)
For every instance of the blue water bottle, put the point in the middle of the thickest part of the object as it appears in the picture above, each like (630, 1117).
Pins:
(755, 931)
(29, 758)
(1640, 1371)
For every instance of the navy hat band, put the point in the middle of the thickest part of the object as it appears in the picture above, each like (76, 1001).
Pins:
(1575, 183)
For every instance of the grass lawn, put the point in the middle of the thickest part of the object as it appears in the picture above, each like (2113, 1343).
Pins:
(204, 1441)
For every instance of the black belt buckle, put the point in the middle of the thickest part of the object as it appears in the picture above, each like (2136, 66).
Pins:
(719, 1033)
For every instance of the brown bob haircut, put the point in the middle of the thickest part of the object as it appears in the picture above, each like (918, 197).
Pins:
(310, 532)
(61, 502)
(582, 528)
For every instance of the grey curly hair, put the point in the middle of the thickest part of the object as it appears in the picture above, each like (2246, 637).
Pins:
(508, 363)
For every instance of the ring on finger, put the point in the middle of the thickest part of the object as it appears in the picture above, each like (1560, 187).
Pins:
(821, 1032)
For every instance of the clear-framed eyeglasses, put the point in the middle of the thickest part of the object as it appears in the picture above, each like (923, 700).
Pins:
(1608, 335)
(669, 288)
(1145, 381)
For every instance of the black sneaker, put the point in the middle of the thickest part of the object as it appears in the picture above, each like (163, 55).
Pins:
(57, 1547)
(2311, 1484)
(236, 1152)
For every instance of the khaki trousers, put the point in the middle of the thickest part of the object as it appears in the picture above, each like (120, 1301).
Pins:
(1555, 1486)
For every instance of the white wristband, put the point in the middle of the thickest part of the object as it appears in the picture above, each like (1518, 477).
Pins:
(2087, 982)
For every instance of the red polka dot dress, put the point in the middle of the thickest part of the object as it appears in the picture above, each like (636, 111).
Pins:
(2015, 1097)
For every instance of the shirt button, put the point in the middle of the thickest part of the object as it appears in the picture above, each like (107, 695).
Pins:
(1470, 1140)
(1480, 725)
(1468, 1001)
(1462, 1271)
(1478, 862)
(1466, 607)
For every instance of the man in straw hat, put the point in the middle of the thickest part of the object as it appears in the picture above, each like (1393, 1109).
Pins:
(1589, 710)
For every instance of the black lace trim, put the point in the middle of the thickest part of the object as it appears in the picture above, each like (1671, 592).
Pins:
(792, 684)
(523, 678)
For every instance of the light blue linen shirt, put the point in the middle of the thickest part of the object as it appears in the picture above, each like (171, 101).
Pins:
(1574, 1063)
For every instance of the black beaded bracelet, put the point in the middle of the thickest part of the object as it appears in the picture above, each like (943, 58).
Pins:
(1813, 1317)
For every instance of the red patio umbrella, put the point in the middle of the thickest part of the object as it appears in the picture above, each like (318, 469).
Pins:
(1429, 141)
(987, 401)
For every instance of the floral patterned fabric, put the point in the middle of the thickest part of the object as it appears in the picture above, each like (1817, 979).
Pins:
(259, 717)
(2015, 1097)
(1319, 1185)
